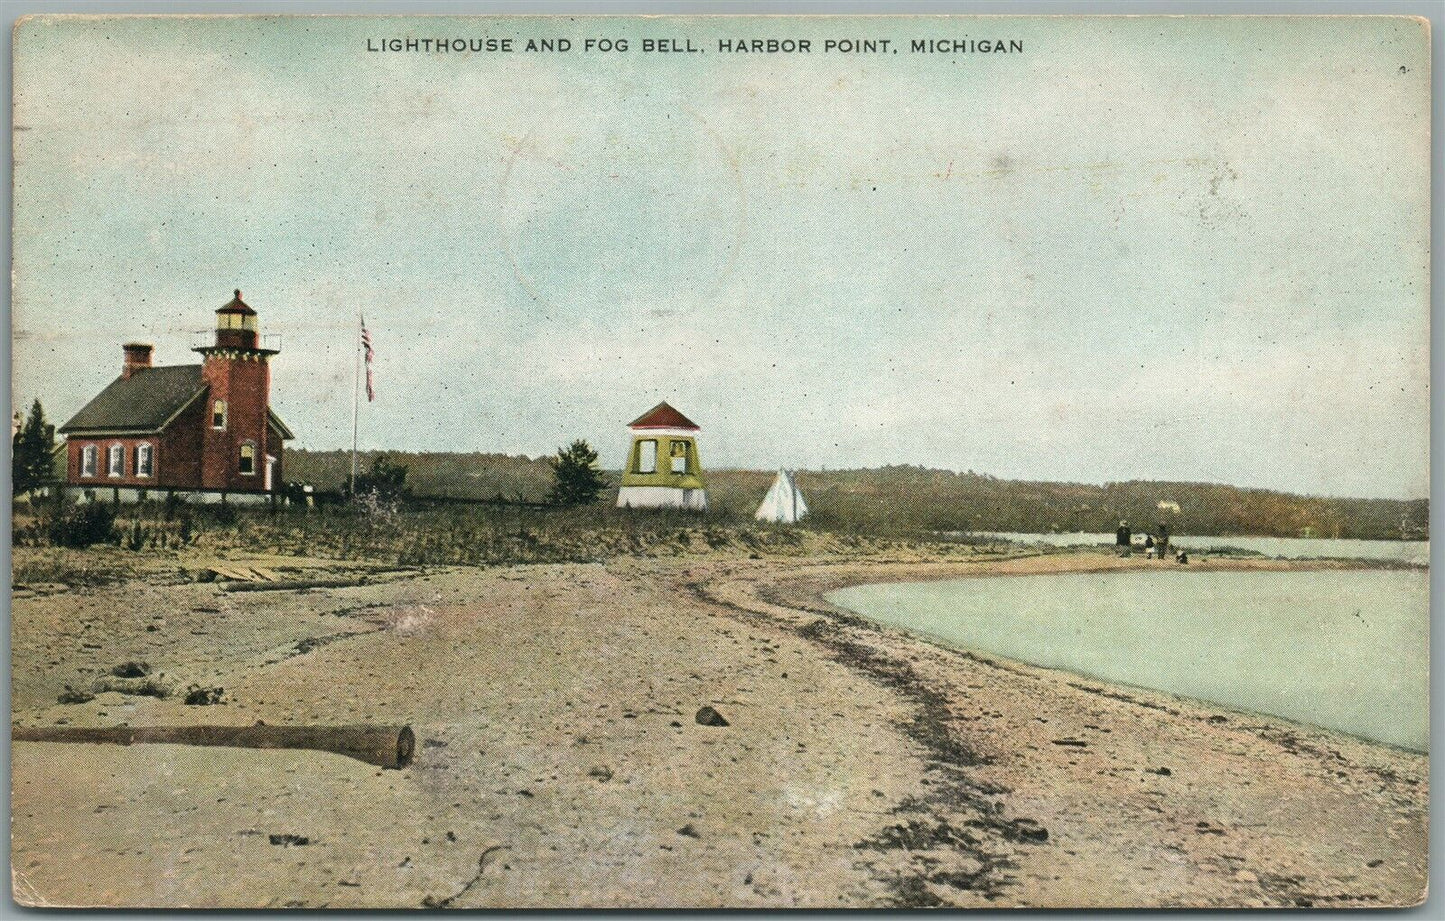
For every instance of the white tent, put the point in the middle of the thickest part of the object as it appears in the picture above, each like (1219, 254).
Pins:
(784, 501)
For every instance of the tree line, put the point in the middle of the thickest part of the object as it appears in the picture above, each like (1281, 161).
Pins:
(893, 500)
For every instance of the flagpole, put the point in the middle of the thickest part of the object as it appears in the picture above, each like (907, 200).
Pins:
(355, 402)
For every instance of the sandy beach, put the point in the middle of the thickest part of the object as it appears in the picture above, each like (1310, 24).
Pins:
(559, 761)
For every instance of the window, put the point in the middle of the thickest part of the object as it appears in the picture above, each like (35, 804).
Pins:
(144, 460)
(235, 321)
(89, 457)
(679, 456)
(647, 456)
(115, 463)
(218, 415)
(248, 458)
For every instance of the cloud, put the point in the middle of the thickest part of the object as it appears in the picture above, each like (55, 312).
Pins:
(1193, 249)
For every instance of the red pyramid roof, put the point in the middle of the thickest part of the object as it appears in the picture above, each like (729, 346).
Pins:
(662, 416)
(236, 305)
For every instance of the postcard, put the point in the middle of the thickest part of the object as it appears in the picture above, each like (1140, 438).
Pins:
(747, 462)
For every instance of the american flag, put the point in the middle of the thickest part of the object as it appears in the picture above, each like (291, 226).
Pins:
(366, 345)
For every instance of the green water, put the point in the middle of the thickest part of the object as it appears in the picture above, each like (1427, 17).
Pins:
(1346, 650)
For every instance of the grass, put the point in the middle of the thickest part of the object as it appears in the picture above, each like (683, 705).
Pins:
(908, 501)
(64, 566)
(856, 511)
(432, 534)
(499, 535)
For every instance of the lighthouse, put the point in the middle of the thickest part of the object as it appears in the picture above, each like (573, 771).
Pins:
(237, 450)
(202, 432)
(662, 469)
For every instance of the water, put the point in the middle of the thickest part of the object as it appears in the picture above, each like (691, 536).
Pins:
(1346, 650)
(1290, 548)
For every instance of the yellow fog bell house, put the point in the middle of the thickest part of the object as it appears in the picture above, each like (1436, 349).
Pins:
(662, 467)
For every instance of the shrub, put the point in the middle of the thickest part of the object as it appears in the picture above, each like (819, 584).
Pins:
(83, 525)
(185, 530)
(385, 482)
(137, 536)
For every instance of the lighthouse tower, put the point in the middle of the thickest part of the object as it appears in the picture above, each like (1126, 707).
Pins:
(238, 447)
(663, 470)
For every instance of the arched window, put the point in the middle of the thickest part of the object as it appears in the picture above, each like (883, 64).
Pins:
(89, 458)
(115, 464)
(144, 460)
(218, 415)
(248, 457)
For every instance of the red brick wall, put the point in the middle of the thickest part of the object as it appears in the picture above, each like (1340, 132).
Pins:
(244, 383)
(76, 446)
(182, 468)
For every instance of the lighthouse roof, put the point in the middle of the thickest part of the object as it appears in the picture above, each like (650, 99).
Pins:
(142, 402)
(236, 305)
(662, 416)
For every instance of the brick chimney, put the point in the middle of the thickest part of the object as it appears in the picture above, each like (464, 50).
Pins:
(137, 356)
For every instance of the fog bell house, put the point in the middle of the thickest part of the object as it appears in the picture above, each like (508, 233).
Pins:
(663, 470)
(203, 432)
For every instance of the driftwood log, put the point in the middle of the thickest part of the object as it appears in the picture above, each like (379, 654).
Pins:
(384, 746)
(291, 585)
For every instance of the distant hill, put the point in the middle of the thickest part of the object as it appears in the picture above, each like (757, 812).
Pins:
(915, 500)
(938, 500)
(453, 475)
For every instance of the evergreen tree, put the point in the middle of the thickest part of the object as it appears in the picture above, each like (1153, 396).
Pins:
(578, 478)
(32, 446)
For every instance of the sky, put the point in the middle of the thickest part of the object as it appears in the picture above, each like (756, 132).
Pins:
(1141, 248)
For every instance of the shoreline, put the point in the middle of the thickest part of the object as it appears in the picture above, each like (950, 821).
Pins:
(557, 755)
(1245, 564)
(807, 594)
